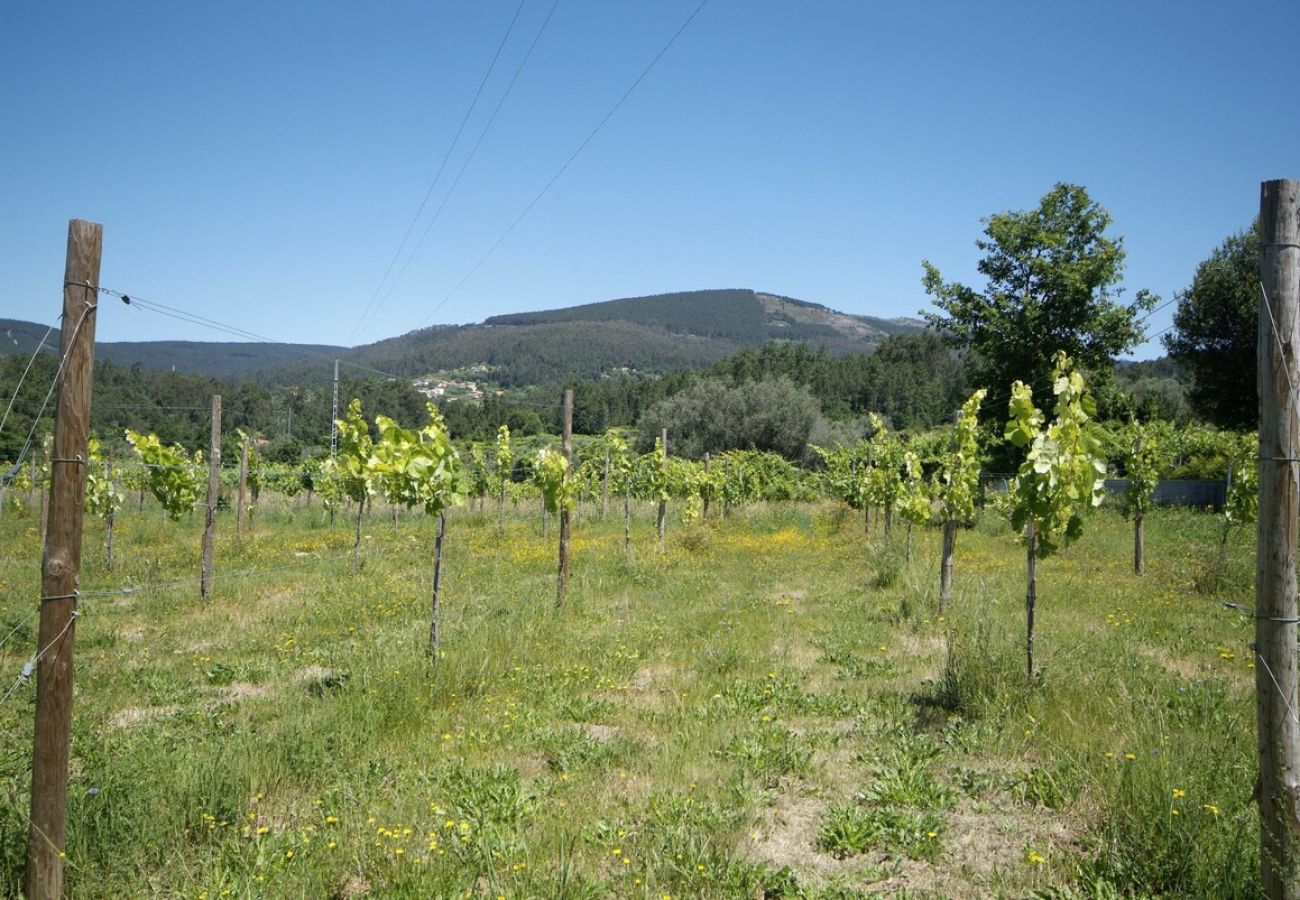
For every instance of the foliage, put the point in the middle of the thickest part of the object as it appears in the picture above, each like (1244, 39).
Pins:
(710, 416)
(417, 468)
(480, 475)
(620, 462)
(103, 499)
(1063, 473)
(958, 479)
(1242, 506)
(1142, 465)
(1051, 277)
(1216, 330)
(913, 502)
(170, 473)
(348, 475)
(884, 483)
(504, 460)
(846, 473)
(553, 478)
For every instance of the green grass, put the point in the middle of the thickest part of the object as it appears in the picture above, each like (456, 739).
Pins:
(774, 706)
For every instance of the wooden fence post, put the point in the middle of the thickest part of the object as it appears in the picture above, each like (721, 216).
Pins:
(1276, 702)
(604, 488)
(704, 513)
(61, 566)
(214, 490)
(243, 489)
(662, 521)
(562, 581)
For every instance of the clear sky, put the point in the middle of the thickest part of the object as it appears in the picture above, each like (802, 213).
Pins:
(260, 163)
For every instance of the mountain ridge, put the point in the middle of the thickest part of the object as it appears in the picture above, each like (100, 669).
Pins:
(650, 335)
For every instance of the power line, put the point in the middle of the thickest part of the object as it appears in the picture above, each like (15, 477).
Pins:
(428, 193)
(568, 162)
(437, 213)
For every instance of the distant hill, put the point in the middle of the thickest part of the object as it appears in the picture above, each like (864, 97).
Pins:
(743, 316)
(648, 335)
(216, 359)
(642, 335)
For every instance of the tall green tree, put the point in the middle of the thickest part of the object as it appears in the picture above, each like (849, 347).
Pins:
(1053, 277)
(1215, 330)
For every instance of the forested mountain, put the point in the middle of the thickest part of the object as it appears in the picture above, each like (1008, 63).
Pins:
(640, 335)
(621, 356)
(741, 316)
(213, 359)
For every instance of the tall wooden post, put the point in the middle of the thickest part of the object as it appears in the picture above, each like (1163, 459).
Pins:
(604, 488)
(243, 489)
(949, 536)
(112, 513)
(704, 513)
(61, 565)
(1031, 597)
(1276, 701)
(214, 490)
(662, 521)
(435, 611)
(562, 581)
(334, 415)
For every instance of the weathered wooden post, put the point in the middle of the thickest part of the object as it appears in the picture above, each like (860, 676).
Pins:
(562, 580)
(61, 565)
(662, 522)
(1276, 699)
(243, 489)
(214, 490)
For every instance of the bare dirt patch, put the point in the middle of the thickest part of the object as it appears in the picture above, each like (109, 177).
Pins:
(602, 734)
(982, 841)
(1183, 668)
(242, 690)
(137, 715)
(786, 836)
(651, 686)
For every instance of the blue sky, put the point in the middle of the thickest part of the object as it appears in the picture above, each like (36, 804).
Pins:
(260, 163)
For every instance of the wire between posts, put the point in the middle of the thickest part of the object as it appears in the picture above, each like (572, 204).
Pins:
(30, 666)
(1272, 678)
(23, 377)
(54, 383)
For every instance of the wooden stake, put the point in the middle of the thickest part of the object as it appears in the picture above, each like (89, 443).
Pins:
(214, 490)
(435, 615)
(945, 564)
(1139, 545)
(1031, 598)
(61, 566)
(662, 523)
(356, 545)
(949, 536)
(704, 513)
(243, 489)
(1276, 700)
(108, 520)
(562, 580)
(604, 489)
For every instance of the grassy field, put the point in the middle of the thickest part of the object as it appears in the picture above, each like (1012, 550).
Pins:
(774, 706)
